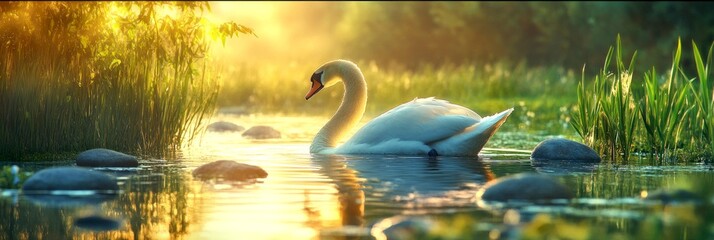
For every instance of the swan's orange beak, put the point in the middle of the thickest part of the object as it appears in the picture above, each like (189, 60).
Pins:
(316, 87)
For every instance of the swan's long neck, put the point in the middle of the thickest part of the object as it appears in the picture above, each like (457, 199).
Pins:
(348, 114)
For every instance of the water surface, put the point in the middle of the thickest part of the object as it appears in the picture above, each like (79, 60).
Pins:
(340, 196)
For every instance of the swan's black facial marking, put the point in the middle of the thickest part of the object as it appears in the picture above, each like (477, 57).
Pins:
(433, 153)
(317, 77)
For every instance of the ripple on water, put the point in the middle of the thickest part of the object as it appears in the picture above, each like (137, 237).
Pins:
(309, 196)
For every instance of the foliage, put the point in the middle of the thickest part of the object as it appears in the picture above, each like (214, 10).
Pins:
(663, 118)
(131, 76)
(542, 33)
(704, 99)
(10, 180)
(663, 108)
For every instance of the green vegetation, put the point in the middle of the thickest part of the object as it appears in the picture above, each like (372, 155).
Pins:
(131, 76)
(567, 34)
(657, 118)
(12, 180)
(539, 94)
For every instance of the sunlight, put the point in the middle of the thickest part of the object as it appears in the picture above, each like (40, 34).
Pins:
(260, 16)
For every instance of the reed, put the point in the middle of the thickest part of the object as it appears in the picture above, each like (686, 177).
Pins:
(665, 116)
(703, 99)
(117, 75)
(664, 109)
(606, 115)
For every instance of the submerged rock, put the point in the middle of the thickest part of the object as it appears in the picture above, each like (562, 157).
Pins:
(68, 200)
(100, 157)
(403, 227)
(229, 170)
(524, 186)
(223, 126)
(97, 223)
(667, 196)
(564, 149)
(70, 178)
(261, 132)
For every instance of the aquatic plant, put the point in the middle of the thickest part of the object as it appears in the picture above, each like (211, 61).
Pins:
(131, 76)
(658, 118)
(704, 98)
(606, 115)
(663, 108)
(12, 177)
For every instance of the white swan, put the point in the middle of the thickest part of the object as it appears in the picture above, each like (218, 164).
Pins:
(424, 126)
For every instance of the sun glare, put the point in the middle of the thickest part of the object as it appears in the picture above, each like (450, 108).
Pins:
(260, 16)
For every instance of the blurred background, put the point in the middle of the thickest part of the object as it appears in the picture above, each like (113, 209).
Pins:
(412, 33)
(411, 41)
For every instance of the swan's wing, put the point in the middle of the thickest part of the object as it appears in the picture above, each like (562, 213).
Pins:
(423, 120)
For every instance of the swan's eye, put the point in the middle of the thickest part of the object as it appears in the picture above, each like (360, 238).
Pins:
(316, 77)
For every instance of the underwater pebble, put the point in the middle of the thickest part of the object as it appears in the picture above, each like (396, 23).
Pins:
(229, 170)
(101, 157)
(223, 126)
(261, 132)
(97, 223)
(564, 149)
(70, 178)
(524, 186)
(402, 227)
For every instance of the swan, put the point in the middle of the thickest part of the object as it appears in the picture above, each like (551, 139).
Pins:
(425, 126)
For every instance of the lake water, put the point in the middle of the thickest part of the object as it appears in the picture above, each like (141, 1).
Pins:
(341, 197)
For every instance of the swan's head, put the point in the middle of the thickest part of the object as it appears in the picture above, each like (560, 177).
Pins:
(328, 74)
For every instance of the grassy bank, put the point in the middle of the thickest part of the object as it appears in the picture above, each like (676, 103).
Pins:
(130, 76)
(540, 96)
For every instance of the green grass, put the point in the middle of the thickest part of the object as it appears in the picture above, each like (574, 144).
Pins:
(667, 116)
(77, 76)
(704, 99)
(540, 95)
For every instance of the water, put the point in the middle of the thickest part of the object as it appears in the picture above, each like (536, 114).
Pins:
(336, 197)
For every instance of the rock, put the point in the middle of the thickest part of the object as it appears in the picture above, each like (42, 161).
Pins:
(261, 132)
(224, 126)
(70, 178)
(564, 149)
(100, 157)
(403, 227)
(63, 201)
(524, 186)
(667, 196)
(229, 170)
(97, 223)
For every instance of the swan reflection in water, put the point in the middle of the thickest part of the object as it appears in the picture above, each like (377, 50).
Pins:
(390, 185)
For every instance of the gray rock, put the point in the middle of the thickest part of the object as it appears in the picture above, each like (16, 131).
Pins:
(564, 149)
(261, 132)
(70, 178)
(100, 157)
(403, 227)
(97, 223)
(229, 170)
(524, 186)
(63, 201)
(224, 126)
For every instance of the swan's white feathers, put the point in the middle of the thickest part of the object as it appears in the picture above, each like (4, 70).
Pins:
(422, 121)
